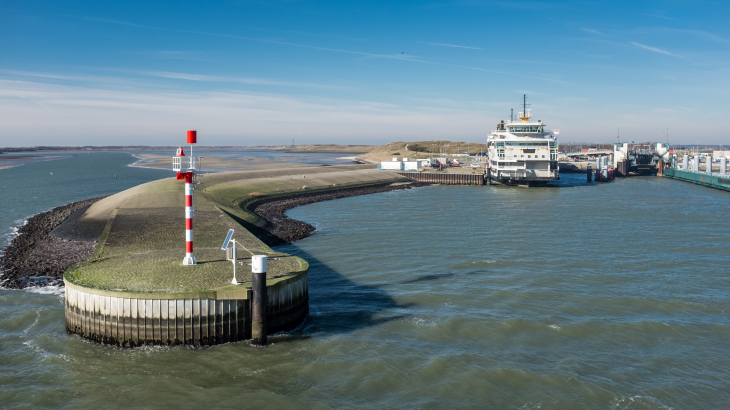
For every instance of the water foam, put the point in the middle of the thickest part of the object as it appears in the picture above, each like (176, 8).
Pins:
(55, 290)
(473, 264)
(419, 321)
(643, 401)
(7, 236)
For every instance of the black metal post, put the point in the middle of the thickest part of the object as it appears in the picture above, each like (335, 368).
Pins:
(259, 300)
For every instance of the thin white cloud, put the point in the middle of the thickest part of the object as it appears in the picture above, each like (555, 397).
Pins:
(658, 16)
(592, 31)
(451, 45)
(182, 76)
(88, 115)
(41, 75)
(335, 50)
(101, 20)
(171, 55)
(242, 80)
(86, 79)
(77, 78)
(654, 49)
(696, 33)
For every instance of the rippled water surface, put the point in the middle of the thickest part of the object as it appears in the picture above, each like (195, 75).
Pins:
(571, 297)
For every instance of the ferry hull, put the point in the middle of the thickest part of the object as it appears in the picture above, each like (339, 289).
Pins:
(525, 181)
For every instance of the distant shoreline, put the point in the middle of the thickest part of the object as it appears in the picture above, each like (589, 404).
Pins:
(314, 149)
(13, 161)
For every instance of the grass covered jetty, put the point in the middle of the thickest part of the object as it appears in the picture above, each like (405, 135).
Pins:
(134, 289)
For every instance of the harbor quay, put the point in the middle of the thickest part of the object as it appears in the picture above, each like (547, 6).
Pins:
(624, 160)
(709, 178)
(135, 289)
(143, 286)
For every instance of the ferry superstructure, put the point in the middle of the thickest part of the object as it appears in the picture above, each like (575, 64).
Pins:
(522, 152)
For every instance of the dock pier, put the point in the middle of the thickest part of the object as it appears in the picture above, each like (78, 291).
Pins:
(445, 178)
(713, 180)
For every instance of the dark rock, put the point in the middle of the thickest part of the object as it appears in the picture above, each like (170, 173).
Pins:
(281, 230)
(35, 258)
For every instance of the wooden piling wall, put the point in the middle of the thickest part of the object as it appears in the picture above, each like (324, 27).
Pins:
(113, 319)
(445, 179)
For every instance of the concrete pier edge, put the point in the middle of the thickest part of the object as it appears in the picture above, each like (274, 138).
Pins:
(119, 296)
(130, 319)
(197, 318)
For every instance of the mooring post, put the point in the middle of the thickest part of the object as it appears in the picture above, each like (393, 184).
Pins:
(259, 301)
(588, 174)
(489, 176)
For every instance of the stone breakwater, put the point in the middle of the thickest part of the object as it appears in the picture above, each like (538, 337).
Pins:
(51, 242)
(35, 257)
(280, 229)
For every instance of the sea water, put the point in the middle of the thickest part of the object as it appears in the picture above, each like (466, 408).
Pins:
(568, 297)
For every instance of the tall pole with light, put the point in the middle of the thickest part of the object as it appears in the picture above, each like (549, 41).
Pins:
(188, 177)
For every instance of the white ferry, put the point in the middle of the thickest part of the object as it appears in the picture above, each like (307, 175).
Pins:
(523, 152)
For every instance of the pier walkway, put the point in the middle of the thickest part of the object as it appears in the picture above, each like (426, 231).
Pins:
(713, 180)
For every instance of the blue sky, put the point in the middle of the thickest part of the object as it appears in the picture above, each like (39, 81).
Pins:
(265, 72)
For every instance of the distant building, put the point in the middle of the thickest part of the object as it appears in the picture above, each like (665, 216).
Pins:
(405, 165)
(393, 165)
(721, 154)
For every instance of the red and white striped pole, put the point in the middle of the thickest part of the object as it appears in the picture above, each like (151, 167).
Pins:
(188, 177)
(189, 258)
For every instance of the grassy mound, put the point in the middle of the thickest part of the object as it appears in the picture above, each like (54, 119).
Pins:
(143, 244)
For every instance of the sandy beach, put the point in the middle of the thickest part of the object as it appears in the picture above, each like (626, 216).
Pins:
(10, 161)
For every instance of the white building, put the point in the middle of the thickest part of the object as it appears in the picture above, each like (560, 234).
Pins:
(391, 165)
(410, 165)
(720, 154)
(620, 152)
